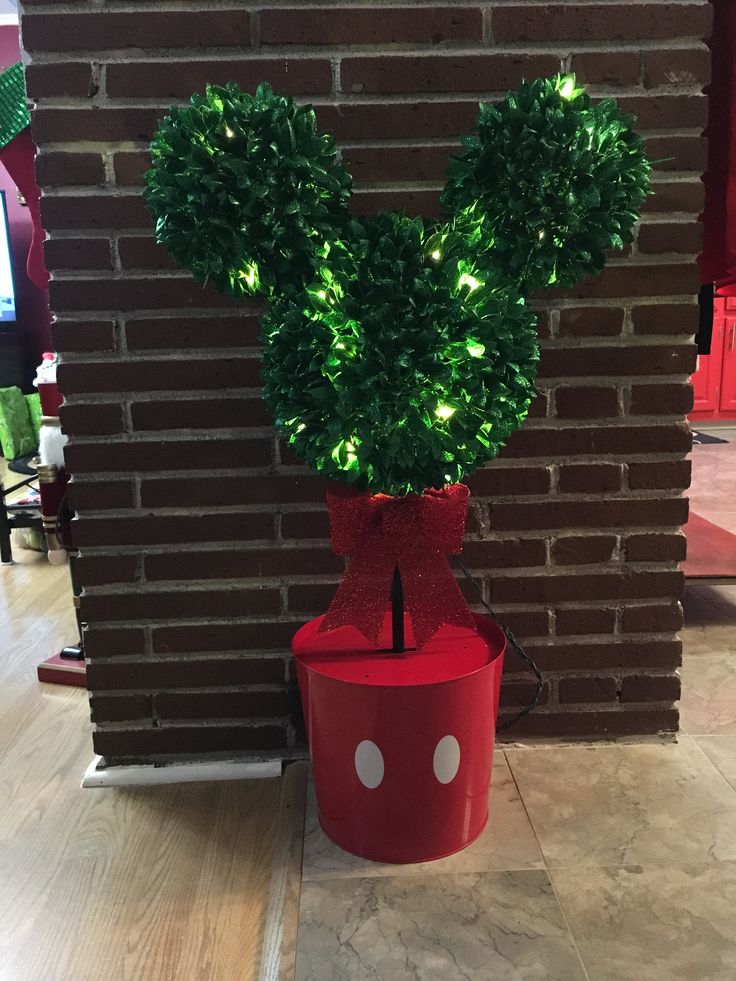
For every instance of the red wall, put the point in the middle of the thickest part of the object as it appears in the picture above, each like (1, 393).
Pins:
(32, 303)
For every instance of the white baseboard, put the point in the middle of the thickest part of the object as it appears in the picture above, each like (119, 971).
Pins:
(149, 774)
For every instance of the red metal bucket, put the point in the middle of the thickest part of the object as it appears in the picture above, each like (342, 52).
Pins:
(401, 744)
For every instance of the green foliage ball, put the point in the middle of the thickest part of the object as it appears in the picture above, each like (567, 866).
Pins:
(400, 367)
(245, 190)
(549, 184)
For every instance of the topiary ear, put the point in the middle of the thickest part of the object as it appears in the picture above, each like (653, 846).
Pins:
(549, 184)
(245, 191)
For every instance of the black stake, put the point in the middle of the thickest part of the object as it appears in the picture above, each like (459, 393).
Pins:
(397, 613)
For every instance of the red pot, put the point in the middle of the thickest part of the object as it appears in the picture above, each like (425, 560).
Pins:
(51, 398)
(401, 744)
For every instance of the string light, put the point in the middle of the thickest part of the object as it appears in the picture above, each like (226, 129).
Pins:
(436, 255)
(444, 411)
(567, 87)
(476, 349)
(229, 133)
(250, 274)
(470, 281)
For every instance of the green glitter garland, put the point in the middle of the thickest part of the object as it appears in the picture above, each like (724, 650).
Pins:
(14, 115)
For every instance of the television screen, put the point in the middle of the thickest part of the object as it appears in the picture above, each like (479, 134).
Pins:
(7, 290)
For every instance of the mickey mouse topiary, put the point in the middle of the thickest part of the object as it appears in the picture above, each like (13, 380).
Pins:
(399, 355)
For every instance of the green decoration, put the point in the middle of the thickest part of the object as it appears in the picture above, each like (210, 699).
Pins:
(35, 412)
(14, 115)
(17, 435)
(399, 354)
(549, 184)
(245, 190)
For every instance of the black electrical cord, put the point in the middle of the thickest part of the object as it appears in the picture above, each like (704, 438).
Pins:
(509, 634)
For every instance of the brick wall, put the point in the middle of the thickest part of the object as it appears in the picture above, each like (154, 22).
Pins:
(204, 546)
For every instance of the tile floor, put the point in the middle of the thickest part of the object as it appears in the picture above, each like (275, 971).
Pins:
(610, 862)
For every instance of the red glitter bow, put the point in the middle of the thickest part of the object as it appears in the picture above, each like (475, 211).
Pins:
(415, 533)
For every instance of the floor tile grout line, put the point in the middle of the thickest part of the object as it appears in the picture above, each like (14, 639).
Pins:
(694, 739)
(526, 809)
(565, 917)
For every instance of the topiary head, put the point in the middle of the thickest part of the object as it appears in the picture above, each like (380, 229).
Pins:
(400, 367)
(398, 355)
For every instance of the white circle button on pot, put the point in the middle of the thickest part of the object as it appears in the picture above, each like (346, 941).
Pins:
(369, 764)
(446, 760)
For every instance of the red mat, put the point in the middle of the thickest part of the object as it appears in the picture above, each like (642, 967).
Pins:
(711, 551)
(60, 671)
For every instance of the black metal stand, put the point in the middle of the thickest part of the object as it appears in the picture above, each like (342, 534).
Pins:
(397, 613)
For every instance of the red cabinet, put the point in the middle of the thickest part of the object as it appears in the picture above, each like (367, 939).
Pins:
(714, 381)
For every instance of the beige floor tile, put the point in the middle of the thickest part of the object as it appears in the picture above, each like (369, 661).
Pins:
(626, 804)
(652, 923)
(708, 703)
(494, 926)
(711, 492)
(709, 639)
(507, 842)
(721, 751)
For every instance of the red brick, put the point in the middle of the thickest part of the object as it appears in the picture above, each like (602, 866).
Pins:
(577, 550)
(442, 72)
(650, 688)
(655, 548)
(172, 79)
(589, 402)
(195, 491)
(133, 293)
(57, 168)
(607, 653)
(130, 167)
(600, 22)
(148, 456)
(157, 376)
(661, 400)
(101, 495)
(120, 708)
(98, 570)
(173, 604)
(209, 413)
(224, 637)
(83, 335)
(677, 66)
(639, 279)
(590, 689)
(624, 360)
(344, 25)
(202, 672)
(77, 253)
(305, 524)
(91, 420)
(350, 121)
(120, 745)
(499, 481)
(424, 203)
(584, 620)
(75, 211)
(313, 598)
(101, 31)
(589, 586)
(614, 514)
(675, 196)
(521, 693)
(505, 553)
(585, 479)
(143, 252)
(648, 619)
(589, 440)
(524, 623)
(666, 475)
(191, 332)
(398, 163)
(68, 78)
(591, 321)
(103, 124)
(113, 642)
(685, 237)
(220, 705)
(678, 152)
(172, 529)
(243, 563)
(665, 318)
(667, 111)
(616, 69)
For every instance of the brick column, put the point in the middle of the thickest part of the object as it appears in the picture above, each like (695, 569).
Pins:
(204, 545)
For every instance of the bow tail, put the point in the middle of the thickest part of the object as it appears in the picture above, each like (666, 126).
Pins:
(361, 597)
(432, 595)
